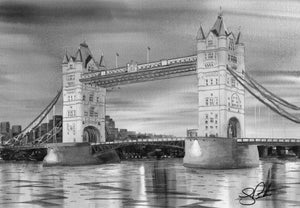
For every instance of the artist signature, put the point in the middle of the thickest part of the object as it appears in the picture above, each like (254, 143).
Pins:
(250, 195)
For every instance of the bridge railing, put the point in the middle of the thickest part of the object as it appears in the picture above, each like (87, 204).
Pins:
(143, 140)
(141, 67)
(268, 140)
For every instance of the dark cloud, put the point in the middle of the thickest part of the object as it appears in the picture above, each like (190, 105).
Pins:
(94, 11)
(43, 12)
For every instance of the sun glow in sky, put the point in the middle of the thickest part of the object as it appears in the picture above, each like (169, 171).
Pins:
(34, 35)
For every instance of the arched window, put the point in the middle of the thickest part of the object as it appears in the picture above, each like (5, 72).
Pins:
(92, 110)
(210, 41)
(231, 44)
(235, 101)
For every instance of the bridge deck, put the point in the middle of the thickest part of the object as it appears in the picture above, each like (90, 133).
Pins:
(269, 141)
(143, 140)
(163, 69)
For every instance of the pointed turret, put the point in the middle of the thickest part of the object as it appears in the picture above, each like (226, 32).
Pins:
(101, 62)
(238, 38)
(200, 34)
(219, 28)
(78, 56)
(66, 58)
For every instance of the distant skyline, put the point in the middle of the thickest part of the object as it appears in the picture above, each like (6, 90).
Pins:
(35, 34)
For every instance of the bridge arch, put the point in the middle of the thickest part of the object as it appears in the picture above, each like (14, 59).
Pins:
(91, 134)
(233, 128)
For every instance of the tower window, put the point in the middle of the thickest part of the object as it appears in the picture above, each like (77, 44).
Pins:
(71, 113)
(210, 55)
(232, 82)
(231, 44)
(210, 42)
(83, 97)
(235, 101)
(216, 101)
(91, 98)
(211, 101)
(92, 109)
(232, 59)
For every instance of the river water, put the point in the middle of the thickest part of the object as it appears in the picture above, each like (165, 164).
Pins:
(145, 183)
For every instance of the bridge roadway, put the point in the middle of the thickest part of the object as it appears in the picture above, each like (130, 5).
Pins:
(241, 141)
(269, 141)
(178, 142)
(172, 142)
(175, 142)
(135, 73)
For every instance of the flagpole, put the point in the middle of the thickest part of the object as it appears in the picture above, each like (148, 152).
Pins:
(148, 54)
(255, 119)
(117, 55)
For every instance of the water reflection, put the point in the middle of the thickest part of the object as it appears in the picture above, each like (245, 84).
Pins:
(151, 183)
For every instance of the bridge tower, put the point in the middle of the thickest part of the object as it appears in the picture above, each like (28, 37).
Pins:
(221, 97)
(220, 103)
(83, 104)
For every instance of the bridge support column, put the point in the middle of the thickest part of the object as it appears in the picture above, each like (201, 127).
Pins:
(280, 150)
(219, 153)
(69, 154)
(263, 151)
(296, 150)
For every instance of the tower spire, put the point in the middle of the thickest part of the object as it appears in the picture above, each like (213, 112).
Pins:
(219, 28)
(238, 36)
(220, 12)
(66, 58)
(200, 34)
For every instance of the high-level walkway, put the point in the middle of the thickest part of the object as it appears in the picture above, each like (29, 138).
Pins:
(135, 73)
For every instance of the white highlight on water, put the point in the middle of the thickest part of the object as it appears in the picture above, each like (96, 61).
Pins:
(196, 149)
(51, 157)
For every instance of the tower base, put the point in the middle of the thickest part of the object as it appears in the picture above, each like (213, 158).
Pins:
(69, 154)
(219, 153)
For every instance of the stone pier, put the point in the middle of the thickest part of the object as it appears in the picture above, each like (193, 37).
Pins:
(70, 154)
(219, 153)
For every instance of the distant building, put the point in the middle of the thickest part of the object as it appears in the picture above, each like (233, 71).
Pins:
(131, 135)
(192, 132)
(58, 119)
(37, 132)
(111, 131)
(50, 125)
(109, 122)
(123, 134)
(43, 129)
(4, 127)
(114, 134)
(16, 129)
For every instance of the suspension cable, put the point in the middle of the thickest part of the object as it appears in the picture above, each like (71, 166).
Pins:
(274, 108)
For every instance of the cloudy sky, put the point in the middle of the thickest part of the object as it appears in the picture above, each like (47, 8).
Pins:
(34, 35)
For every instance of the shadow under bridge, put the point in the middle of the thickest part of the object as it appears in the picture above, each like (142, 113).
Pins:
(171, 143)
